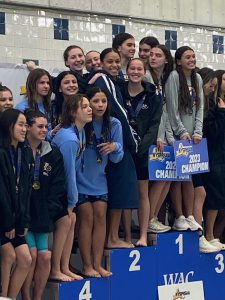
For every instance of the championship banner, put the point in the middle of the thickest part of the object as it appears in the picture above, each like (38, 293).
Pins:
(162, 166)
(188, 291)
(191, 158)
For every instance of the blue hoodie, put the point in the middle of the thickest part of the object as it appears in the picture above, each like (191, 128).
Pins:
(92, 180)
(69, 145)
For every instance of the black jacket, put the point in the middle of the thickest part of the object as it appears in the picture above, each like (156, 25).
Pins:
(50, 200)
(148, 119)
(14, 210)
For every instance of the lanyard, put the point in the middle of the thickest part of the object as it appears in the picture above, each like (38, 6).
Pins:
(82, 146)
(192, 96)
(134, 113)
(161, 93)
(16, 164)
(37, 163)
(97, 141)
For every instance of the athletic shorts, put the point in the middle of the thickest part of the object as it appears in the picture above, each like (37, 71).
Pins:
(82, 198)
(16, 241)
(37, 240)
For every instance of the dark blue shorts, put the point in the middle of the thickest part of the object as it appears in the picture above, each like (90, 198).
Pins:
(82, 198)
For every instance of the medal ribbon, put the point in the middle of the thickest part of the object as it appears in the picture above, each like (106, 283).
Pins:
(134, 113)
(16, 164)
(37, 164)
(82, 146)
(96, 142)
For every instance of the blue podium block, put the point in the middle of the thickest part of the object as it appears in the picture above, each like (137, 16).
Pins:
(134, 274)
(178, 257)
(89, 289)
(213, 275)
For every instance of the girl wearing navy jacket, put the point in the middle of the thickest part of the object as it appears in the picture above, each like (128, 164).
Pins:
(48, 199)
(70, 140)
(15, 186)
(144, 112)
(104, 142)
(122, 185)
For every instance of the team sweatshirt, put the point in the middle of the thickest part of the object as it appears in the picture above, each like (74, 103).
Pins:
(92, 179)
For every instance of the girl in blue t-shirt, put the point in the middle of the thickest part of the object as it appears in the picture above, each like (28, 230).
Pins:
(104, 142)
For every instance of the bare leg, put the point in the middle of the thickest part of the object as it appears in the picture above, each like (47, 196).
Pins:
(200, 195)
(176, 198)
(98, 237)
(220, 225)
(41, 275)
(59, 239)
(23, 263)
(85, 215)
(188, 198)
(210, 218)
(25, 291)
(164, 192)
(8, 257)
(113, 240)
(143, 212)
(65, 260)
(157, 194)
(127, 218)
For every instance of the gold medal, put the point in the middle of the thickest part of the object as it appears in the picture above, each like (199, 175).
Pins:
(36, 185)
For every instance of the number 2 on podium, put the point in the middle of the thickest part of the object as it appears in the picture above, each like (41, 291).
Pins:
(134, 265)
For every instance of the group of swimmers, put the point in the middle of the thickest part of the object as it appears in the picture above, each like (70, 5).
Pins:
(69, 160)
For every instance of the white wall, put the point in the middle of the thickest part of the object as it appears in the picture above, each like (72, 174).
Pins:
(29, 30)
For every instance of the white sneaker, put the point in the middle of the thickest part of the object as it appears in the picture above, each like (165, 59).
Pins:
(181, 224)
(167, 227)
(205, 246)
(216, 243)
(157, 227)
(194, 226)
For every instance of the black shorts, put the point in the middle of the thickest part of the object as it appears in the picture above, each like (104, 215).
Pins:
(142, 173)
(197, 180)
(16, 241)
(62, 214)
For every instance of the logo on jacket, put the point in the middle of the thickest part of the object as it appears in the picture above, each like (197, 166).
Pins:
(47, 169)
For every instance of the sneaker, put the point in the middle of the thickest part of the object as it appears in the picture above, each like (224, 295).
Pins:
(181, 224)
(157, 227)
(163, 225)
(205, 246)
(194, 226)
(216, 243)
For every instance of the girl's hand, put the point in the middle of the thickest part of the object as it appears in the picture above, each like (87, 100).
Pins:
(185, 137)
(160, 146)
(55, 130)
(106, 148)
(221, 103)
(197, 139)
(94, 78)
(70, 211)
(10, 234)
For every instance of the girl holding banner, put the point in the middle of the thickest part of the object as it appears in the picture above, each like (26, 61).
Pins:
(184, 94)
(160, 66)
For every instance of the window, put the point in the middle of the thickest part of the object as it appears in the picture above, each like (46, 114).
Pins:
(218, 46)
(117, 29)
(61, 31)
(2, 23)
(171, 39)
